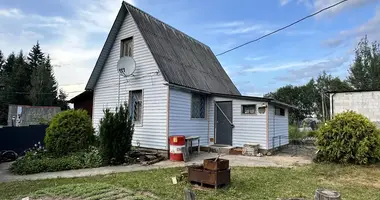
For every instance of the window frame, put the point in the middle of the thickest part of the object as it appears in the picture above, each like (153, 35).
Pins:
(191, 106)
(279, 114)
(247, 105)
(140, 122)
(122, 46)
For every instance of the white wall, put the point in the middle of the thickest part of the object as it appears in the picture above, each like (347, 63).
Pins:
(278, 128)
(248, 128)
(152, 132)
(180, 122)
(366, 103)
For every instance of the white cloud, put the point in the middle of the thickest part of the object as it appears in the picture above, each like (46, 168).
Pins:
(13, 12)
(269, 68)
(371, 28)
(284, 2)
(240, 27)
(69, 40)
(250, 58)
(320, 4)
(314, 68)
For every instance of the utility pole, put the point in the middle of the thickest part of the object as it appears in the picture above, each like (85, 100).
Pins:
(323, 107)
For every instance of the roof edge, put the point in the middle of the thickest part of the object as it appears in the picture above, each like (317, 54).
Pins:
(201, 43)
(105, 51)
(347, 91)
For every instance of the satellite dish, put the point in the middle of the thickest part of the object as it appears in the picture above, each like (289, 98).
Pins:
(126, 66)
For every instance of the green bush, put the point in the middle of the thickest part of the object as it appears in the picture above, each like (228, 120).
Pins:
(312, 133)
(294, 133)
(69, 131)
(32, 163)
(349, 138)
(115, 135)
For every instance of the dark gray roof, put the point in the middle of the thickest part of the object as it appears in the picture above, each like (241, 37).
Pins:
(181, 59)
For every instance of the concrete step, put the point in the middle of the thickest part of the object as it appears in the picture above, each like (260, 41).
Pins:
(220, 149)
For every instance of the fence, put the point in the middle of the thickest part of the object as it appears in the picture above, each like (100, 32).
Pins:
(21, 138)
(295, 147)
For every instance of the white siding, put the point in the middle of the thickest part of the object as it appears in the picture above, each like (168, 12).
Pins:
(248, 128)
(180, 122)
(278, 128)
(152, 132)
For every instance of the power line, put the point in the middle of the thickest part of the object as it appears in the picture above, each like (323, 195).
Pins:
(280, 29)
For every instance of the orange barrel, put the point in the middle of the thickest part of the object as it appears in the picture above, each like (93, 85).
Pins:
(176, 143)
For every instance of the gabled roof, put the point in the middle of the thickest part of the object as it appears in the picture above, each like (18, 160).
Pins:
(182, 60)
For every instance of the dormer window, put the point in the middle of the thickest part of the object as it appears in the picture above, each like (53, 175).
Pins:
(126, 47)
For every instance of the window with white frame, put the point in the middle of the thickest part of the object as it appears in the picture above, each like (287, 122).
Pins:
(279, 111)
(248, 109)
(198, 106)
(136, 105)
(126, 47)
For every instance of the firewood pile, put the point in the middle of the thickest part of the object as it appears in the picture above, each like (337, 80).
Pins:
(144, 157)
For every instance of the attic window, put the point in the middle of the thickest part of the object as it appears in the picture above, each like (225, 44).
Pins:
(280, 111)
(126, 47)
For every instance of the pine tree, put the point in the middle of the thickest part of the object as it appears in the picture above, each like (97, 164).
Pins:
(2, 62)
(36, 57)
(9, 64)
(43, 90)
(3, 105)
(19, 81)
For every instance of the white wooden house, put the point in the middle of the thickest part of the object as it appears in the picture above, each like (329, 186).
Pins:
(179, 88)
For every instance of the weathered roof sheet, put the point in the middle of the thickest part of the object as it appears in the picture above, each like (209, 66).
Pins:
(181, 59)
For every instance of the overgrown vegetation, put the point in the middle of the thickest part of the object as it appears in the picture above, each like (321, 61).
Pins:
(296, 134)
(70, 131)
(115, 135)
(353, 182)
(37, 162)
(349, 138)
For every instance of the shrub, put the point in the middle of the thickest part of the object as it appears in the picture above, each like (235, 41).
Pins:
(295, 133)
(115, 135)
(69, 131)
(348, 138)
(32, 163)
(312, 133)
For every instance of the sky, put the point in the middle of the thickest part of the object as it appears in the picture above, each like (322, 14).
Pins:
(73, 32)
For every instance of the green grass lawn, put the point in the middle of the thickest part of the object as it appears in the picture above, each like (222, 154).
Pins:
(354, 182)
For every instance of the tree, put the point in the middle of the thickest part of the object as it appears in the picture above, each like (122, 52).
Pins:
(43, 90)
(2, 62)
(298, 96)
(36, 57)
(61, 101)
(325, 83)
(364, 73)
(17, 81)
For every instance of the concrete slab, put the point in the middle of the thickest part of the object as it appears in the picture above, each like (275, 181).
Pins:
(235, 160)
